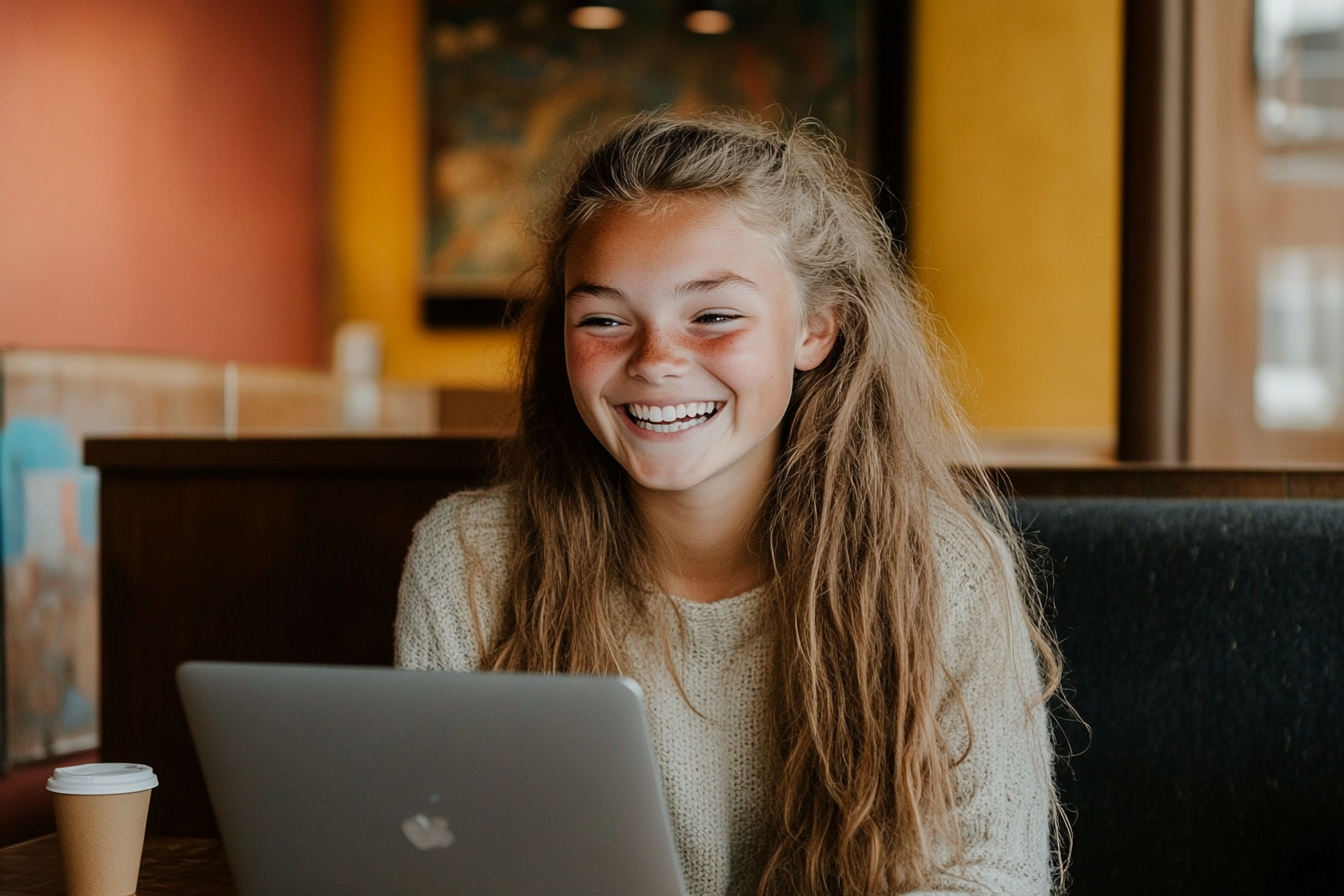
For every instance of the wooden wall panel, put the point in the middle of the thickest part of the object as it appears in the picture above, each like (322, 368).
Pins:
(234, 558)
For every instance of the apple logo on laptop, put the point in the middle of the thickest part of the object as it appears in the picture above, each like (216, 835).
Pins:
(427, 832)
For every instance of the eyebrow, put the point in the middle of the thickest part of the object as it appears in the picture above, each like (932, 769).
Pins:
(711, 283)
(595, 291)
(707, 284)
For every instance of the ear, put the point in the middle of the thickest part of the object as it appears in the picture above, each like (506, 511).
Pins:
(817, 338)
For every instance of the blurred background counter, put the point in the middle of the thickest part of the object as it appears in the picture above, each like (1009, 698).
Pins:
(49, 500)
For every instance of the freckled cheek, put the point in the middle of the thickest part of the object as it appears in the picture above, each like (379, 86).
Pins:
(590, 362)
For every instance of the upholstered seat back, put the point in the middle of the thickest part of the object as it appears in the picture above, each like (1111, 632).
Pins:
(1204, 646)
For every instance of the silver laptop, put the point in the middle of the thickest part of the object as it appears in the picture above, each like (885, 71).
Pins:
(329, 781)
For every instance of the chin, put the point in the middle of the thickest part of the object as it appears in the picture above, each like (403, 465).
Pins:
(666, 480)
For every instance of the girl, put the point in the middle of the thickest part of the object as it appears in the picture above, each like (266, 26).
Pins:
(734, 482)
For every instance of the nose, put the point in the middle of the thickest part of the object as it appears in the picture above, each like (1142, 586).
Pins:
(656, 355)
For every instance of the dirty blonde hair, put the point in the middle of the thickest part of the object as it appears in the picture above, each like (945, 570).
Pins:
(869, 454)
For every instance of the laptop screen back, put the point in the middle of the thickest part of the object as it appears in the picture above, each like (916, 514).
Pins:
(338, 781)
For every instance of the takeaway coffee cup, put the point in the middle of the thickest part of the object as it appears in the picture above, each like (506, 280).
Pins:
(100, 822)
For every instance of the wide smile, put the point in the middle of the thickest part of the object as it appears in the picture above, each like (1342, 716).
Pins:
(670, 418)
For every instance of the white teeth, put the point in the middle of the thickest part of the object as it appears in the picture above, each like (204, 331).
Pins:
(671, 418)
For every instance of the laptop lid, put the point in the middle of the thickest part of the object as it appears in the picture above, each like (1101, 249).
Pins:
(331, 781)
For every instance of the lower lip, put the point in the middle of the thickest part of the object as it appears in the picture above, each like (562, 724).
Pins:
(665, 436)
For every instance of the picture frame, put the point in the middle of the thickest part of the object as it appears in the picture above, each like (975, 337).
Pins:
(511, 88)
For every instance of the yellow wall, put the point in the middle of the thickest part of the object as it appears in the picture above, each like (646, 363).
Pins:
(1015, 185)
(377, 144)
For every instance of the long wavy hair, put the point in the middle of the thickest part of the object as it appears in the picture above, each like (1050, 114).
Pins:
(873, 441)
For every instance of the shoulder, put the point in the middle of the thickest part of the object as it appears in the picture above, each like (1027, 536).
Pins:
(969, 553)
(455, 572)
(466, 529)
(983, 614)
(466, 525)
(479, 514)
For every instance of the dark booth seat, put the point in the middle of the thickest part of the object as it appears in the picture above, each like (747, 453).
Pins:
(1202, 641)
(1210, 769)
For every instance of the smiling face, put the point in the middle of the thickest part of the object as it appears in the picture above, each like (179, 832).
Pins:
(682, 333)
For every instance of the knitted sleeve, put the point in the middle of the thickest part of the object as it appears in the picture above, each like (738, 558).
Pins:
(452, 577)
(1004, 786)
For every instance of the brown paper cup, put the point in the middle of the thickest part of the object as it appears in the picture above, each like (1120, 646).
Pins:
(101, 838)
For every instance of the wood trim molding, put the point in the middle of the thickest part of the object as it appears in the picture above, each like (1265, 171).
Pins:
(1155, 232)
(476, 458)
(425, 454)
(1156, 481)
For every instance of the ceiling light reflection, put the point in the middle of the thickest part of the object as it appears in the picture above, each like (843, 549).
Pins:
(709, 21)
(596, 18)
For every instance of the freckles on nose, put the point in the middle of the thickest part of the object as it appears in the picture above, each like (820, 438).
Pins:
(652, 349)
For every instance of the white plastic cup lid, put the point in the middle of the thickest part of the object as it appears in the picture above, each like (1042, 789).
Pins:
(102, 778)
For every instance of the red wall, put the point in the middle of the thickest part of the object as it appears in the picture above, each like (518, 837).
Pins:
(160, 176)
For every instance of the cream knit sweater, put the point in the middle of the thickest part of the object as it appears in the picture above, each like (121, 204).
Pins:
(715, 767)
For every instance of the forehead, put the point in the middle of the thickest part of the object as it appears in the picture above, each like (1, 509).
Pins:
(679, 238)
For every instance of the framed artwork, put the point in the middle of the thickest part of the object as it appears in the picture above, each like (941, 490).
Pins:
(510, 84)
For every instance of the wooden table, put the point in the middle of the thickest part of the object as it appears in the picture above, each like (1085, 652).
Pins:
(180, 866)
